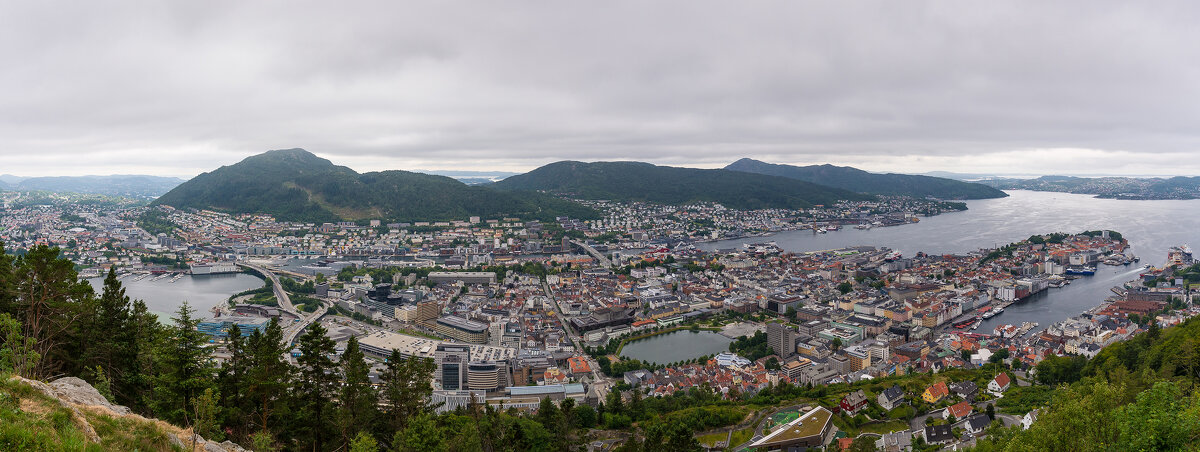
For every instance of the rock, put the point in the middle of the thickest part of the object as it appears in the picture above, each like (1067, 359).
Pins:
(230, 446)
(214, 447)
(77, 391)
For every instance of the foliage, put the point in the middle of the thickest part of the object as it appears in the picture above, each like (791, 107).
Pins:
(635, 181)
(296, 185)
(854, 179)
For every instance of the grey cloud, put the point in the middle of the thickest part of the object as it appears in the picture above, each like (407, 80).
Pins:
(176, 88)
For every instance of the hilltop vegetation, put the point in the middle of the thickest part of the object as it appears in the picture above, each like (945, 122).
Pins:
(854, 179)
(295, 185)
(636, 181)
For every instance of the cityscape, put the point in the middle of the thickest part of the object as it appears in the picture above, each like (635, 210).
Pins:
(628, 227)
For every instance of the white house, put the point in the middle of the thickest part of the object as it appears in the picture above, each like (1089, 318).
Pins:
(999, 384)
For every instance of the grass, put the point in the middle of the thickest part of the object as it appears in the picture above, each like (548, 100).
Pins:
(32, 421)
(712, 438)
(741, 436)
(883, 427)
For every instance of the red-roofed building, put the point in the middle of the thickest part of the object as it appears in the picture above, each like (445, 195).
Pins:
(579, 365)
(959, 410)
(999, 384)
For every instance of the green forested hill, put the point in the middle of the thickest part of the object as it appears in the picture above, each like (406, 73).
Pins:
(294, 184)
(636, 181)
(854, 179)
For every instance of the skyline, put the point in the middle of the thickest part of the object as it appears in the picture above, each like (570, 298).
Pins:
(1019, 88)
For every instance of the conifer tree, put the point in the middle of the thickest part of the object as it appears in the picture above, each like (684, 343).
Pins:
(358, 399)
(316, 387)
(186, 368)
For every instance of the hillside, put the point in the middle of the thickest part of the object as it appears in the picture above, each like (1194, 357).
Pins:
(69, 414)
(636, 181)
(294, 184)
(1178, 187)
(854, 179)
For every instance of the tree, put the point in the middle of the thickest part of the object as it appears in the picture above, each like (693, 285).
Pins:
(406, 388)
(268, 379)
(836, 343)
(420, 435)
(364, 442)
(966, 355)
(845, 287)
(991, 411)
(585, 416)
(18, 354)
(47, 292)
(358, 400)
(317, 381)
(186, 368)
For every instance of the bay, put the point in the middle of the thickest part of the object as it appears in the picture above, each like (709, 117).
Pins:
(202, 292)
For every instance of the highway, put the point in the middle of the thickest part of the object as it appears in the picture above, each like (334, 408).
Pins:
(604, 261)
(290, 332)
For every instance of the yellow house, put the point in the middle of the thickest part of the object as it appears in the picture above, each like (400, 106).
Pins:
(935, 393)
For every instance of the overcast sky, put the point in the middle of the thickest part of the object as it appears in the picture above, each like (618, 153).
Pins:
(178, 88)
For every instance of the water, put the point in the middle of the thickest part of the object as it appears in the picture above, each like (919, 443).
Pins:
(203, 292)
(676, 346)
(1150, 227)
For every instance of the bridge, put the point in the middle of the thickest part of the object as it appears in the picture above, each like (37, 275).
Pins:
(290, 332)
(604, 261)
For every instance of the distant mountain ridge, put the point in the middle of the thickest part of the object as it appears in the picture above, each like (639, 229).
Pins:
(637, 181)
(856, 180)
(131, 185)
(1178, 187)
(295, 185)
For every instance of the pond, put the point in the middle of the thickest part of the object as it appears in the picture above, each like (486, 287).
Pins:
(677, 346)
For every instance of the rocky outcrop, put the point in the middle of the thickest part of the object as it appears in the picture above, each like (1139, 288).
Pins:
(78, 396)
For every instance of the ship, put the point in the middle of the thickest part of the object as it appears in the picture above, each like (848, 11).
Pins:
(1088, 271)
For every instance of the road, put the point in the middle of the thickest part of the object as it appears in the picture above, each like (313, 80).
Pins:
(604, 261)
(290, 332)
(601, 382)
(280, 295)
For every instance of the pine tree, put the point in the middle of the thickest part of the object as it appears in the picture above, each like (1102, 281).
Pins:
(231, 380)
(358, 399)
(185, 371)
(406, 389)
(268, 379)
(315, 389)
(49, 302)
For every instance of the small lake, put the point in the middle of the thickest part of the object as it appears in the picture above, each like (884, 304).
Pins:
(677, 346)
(202, 292)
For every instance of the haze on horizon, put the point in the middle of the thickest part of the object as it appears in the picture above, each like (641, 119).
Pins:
(178, 88)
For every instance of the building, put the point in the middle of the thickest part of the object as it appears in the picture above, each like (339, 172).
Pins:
(461, 329)
(808, 431)
(935, 393)
(488, 376)
(891, 397)
(967, 390)
(853, 402)
(781, 339)
(451, 363)
(219, 328)
(446, 401)
(465, 277)
(938, 434)
(895, 442)
(977, 424)
(959, 410)
(999, 384)
(214, 268)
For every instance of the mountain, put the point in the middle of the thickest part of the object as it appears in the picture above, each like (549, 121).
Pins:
(854, 179)
(1179, 187)
(295, 185)
(636, 181)
(11, 180)
(134, 186)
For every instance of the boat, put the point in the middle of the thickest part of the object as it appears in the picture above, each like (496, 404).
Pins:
(863, 226)
(1087, 271)
(821, 230)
